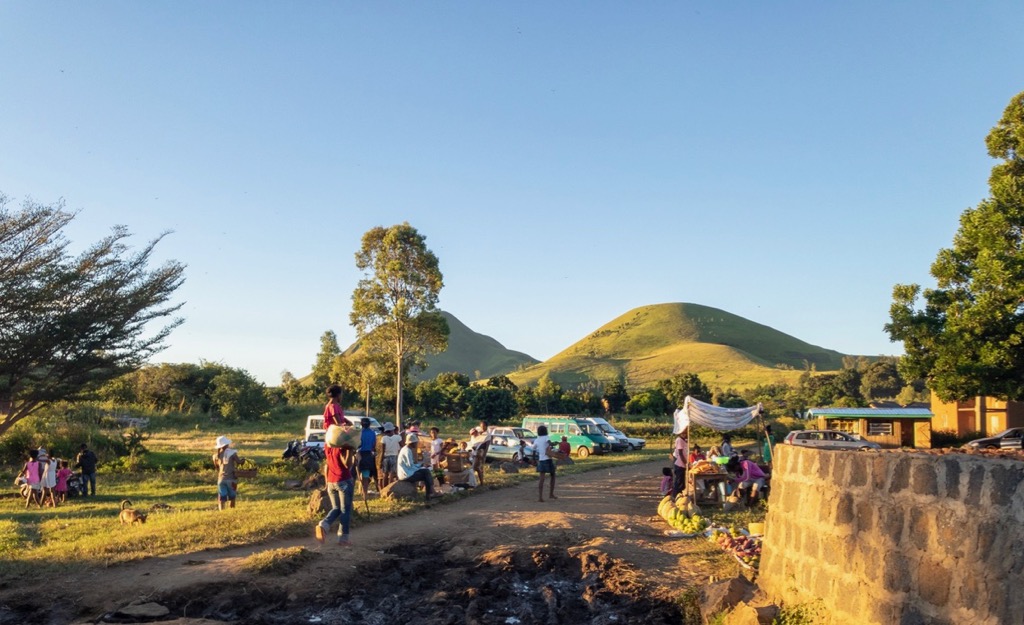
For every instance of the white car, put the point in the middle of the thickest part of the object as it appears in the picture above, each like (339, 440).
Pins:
(624, 442)
(315, 428)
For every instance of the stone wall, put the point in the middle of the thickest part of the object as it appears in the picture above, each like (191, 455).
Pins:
(893, 537)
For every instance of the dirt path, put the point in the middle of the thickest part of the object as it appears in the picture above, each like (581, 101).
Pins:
(600, 531)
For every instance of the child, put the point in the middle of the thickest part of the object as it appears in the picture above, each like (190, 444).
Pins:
(62, 481)
(666, 481)
(696, 455)
(33, 474)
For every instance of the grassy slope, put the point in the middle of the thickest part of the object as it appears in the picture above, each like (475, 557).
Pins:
(656, 342)
(469, 352)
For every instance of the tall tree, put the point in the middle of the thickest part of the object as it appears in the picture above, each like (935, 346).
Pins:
(969, 338)
(394, 307)
(69, 323)
(322, 368)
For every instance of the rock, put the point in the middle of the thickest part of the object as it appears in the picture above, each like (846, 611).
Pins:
(319, 503)
(508, 467)
(401, 490)
(746, 614)
(314, 481)
(144, 610)
(724, 595)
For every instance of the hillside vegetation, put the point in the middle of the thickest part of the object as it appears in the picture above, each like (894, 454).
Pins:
(652, 343)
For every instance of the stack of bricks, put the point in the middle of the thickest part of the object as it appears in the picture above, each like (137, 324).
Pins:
(896, 537)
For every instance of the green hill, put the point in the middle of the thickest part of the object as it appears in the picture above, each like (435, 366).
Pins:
(652, 343)
(471, 353)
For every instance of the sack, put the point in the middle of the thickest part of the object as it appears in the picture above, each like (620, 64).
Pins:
(345, 438)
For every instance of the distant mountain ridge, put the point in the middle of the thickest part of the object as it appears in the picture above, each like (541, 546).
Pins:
(655, 342)
(475, 355)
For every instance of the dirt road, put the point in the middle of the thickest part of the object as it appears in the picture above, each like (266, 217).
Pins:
(597, 554)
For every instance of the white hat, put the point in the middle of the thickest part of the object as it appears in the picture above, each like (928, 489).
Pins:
(389, 427)
(222, 441)
(411, 438)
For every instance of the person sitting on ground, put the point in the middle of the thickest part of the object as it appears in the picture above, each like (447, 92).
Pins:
(411, 471)
(749, 476)
(564, 447)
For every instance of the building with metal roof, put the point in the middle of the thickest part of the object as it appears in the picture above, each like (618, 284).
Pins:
(889, 427)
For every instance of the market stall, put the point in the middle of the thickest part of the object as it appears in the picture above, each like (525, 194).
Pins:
(707, 481)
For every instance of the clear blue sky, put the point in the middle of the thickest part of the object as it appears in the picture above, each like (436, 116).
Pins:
(785, 161)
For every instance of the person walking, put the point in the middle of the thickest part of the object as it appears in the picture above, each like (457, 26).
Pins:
(226, 461)
(545, 463)
(86, 462)
(340, 484)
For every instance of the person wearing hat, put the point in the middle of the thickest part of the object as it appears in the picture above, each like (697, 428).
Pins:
(391, 443)
(480, 441)
(226, 461)
(411, 471)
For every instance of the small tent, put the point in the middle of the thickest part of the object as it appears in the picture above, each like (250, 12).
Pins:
(715, 417)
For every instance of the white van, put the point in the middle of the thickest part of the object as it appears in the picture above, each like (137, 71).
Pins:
(609, 431)
(315, 427)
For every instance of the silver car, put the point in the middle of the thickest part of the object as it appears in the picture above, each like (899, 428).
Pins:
(828, 439)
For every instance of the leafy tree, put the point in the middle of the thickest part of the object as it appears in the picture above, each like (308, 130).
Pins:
(615, 397)
(548, 393)
(394, 308)
(968, 339)
(651, 401)
(729, 398)
(69, 324)
(881, 380)
(293, 390)
(237, 396)
(322, 368)
(501, 381)
(491, 404)
(676, 388)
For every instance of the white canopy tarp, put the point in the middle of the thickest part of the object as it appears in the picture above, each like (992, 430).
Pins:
(715, 417)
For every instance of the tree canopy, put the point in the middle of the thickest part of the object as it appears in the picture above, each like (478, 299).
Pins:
(394, 307)
(968, 339)
(70, 323)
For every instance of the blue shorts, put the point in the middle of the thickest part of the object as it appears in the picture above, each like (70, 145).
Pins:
(226, 490)
(546, 466)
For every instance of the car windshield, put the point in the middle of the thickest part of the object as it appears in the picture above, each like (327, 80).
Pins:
(588, 428)
(606, 428)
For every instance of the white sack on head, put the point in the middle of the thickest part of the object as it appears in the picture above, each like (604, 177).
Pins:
(715, 417)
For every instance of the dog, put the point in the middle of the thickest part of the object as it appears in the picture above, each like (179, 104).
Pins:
(130, 516)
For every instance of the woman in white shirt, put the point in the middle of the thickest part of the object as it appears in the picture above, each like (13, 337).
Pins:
(545, 464)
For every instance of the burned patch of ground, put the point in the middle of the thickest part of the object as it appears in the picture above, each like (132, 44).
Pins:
(438, 585)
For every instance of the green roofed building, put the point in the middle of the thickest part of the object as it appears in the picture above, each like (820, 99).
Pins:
(889, 427)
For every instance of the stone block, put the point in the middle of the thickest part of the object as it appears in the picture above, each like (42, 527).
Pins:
(896, 572)
(1004, 482)
(890, 523)
(975, 482)
(845, 510)
(923, 480)
(724, 595)
(985, 538)
(950, 529)
(865, 516)
(401, 490)
(885, 612)
(825, 459)
(858, 469)
(933, 582)
(881, 468)
(810, 544)
(919, 527)
(746, 614)
(951, 467)
(900, 476)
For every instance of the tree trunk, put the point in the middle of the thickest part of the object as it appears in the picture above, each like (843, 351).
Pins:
(398, 397)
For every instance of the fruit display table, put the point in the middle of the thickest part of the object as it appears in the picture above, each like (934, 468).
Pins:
(708, 488)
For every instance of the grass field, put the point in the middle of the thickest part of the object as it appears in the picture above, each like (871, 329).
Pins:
(85, 531)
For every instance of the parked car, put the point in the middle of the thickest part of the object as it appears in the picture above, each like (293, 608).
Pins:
(505, 445)
(584, 437)
(620, 440)
(828, 439)
(314, 435)
(1007, 439)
